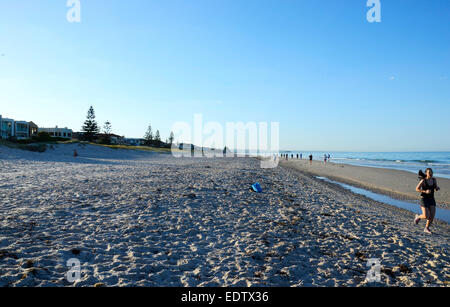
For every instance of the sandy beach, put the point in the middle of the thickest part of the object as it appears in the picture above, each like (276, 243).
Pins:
(395, 183)
(144, 219)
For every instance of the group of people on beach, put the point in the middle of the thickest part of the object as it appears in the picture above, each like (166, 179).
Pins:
(286, 156)
(326, 157)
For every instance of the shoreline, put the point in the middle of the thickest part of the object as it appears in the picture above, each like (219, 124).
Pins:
(397, 184)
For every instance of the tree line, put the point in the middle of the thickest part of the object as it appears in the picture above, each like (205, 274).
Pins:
(155, 139)
(91, 132)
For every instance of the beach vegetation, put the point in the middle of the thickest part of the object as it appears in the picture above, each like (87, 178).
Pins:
(142, 148)
(35, 147)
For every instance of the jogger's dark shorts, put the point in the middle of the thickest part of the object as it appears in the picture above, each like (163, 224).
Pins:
(428, 202)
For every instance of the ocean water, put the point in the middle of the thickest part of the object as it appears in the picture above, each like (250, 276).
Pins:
(405, 161)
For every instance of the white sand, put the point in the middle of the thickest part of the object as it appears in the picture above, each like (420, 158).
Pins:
(142, 219)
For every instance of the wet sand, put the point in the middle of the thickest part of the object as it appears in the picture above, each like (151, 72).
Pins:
(395, 183)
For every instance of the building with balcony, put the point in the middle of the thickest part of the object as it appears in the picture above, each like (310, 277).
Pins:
(21, 130)
(6, 128)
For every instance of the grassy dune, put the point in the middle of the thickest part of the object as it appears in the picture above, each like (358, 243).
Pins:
(143, 148)
(42, 146)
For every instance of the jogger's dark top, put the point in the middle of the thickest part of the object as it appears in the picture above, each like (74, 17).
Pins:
(428, 199)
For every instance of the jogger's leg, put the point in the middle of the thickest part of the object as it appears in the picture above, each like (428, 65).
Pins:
(424, 215)
(432, 212)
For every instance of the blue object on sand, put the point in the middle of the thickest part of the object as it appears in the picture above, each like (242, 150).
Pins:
(257, 188)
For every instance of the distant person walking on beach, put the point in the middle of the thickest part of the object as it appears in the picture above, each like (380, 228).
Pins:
(301, 156)
(310, 159)
(325, 158)
(427, 186)
(329, 157)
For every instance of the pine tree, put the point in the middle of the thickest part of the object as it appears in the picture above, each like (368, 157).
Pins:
(148, 137)
(90, 127)
(107, 128)
(171, 138)
(157, 138)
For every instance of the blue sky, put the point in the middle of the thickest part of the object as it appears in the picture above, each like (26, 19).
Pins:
(334, 81)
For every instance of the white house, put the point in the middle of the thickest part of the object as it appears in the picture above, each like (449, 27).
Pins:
(65, 133)
(133, 142)
(6, 127)
(20, 130)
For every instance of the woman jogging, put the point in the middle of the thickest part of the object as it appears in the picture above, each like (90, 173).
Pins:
(427, 186)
